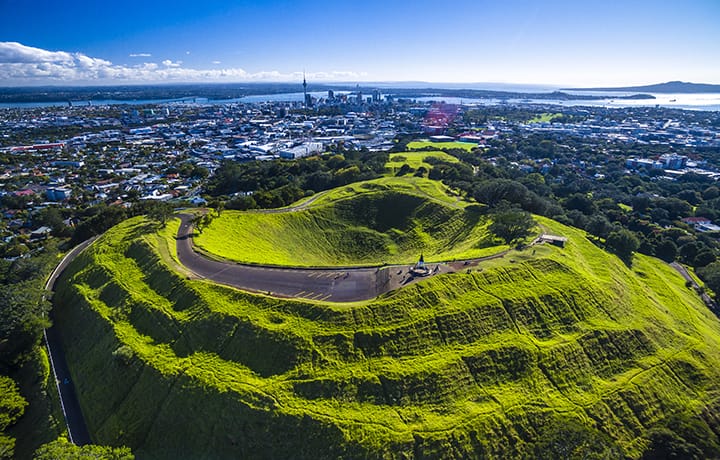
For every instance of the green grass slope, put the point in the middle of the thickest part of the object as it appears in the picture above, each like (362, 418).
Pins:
(462, 365)
(388, 220)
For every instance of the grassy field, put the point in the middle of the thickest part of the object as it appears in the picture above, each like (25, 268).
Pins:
(545, 117)
(463, 365)
(390, 220)
(415, 160)
(415, 145)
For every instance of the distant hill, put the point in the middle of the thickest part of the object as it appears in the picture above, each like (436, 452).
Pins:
(669, 87)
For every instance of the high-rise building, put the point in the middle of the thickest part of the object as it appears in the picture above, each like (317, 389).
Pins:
(307, 98)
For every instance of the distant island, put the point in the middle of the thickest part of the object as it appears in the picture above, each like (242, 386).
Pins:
(668, 87)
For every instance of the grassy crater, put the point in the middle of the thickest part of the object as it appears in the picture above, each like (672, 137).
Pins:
(473, 364)
(370, 223)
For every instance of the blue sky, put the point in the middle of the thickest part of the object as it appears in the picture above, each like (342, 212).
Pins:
(508, 41)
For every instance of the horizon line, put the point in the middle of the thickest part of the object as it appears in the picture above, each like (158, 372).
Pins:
(559, 86)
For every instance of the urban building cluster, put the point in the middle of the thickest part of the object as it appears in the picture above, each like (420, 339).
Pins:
(84, 155)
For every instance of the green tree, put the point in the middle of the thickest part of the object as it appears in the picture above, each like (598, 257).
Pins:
(666, 250)
(12, 406)
(599, 226)
(675, 207)
(582, 203)
(711, 275)
(21, 320)
(640, 203)
(242, 203)
(199, 172)
(98, 219)
(404, 169)
(61, 449)
(711, 193)
(688, 251)
(512, 225)
(160, 212)
(494, 192)
(704, 257)
(52, 218)
(623, 243)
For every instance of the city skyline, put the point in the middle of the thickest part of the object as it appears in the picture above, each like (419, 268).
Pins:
(558, 43)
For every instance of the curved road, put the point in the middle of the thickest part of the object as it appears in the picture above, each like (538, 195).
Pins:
(74, 420)
(327, 284)
(335, 285)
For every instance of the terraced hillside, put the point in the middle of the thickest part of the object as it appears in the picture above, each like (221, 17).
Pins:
(380, 221)
(461, 365)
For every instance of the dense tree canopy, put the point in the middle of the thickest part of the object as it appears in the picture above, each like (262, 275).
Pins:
(278, 183)
(64, 450)
(12, 406)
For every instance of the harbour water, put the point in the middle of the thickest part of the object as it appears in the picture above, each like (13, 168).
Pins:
(687, 101)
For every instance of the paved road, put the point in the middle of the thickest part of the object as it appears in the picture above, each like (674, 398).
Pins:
(335, 285)
(328, 284)
(77, 429)
(706, 298)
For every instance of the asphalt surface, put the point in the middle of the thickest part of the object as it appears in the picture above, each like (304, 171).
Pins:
(77, 429)
(337, 284)
(706, 298)
(333, 285)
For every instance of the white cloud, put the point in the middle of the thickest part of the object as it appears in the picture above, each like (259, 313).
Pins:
(169, 63)
(216, 62)
(25, 65)
(17, 53)
(140, 55)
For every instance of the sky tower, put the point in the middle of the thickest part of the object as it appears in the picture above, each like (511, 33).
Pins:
(308, 101)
